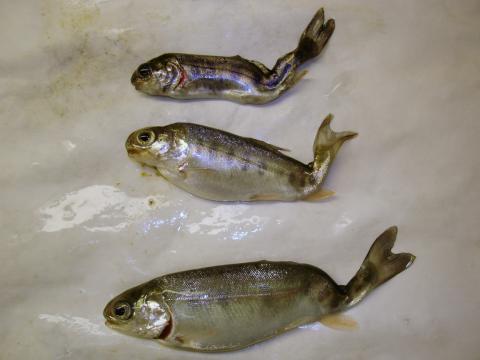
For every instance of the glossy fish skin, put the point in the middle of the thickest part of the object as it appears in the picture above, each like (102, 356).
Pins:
(221, 166)
(229, 307)
(188, 76)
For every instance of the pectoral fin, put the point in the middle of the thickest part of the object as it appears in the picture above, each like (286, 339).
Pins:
(339, 322)
(184, 170)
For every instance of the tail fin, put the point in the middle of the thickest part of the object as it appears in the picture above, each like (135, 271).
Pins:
(326, 145)
(283, 75)
(379, 265)
(314, 38)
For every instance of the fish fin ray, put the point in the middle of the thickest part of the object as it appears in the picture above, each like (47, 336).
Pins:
(325, 147)
(265, 197)
(379, 266)
(339, 322)
(320, 195)
(315, 37)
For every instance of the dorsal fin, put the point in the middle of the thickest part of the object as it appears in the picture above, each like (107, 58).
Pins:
(266, 145)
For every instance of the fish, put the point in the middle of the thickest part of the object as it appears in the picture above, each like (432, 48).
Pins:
(190, 76)
(230, 307)
(216, 165)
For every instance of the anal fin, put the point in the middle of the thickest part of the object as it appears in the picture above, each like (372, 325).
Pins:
(320, 195)
(339, 322)
(265, 197)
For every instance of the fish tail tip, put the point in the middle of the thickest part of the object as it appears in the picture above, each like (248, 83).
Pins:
(379, 266)
(314, 37)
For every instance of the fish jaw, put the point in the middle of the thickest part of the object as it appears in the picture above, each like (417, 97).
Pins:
(135, 152)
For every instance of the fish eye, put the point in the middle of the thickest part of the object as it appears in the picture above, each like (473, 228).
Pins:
(122, 310)
(145, 137)
(145, 71)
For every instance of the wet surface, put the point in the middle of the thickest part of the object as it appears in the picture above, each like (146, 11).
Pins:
(81, 222)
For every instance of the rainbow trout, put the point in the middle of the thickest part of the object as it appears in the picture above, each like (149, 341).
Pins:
(186, 76)
(225, 308)
(221, 166)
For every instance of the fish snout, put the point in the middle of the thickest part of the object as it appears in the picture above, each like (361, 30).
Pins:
(135, 79)
(108, 314)
(129, 145)
(132, 146)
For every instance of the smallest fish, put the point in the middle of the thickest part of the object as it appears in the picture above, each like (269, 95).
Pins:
(190, 76)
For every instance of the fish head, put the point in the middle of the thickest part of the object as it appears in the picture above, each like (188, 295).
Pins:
(160, 76)
(157, 146)
(139, 312)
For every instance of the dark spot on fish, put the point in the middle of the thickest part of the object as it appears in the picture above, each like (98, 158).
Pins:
(166, 331)
(244, 167)
(231, 152)
(151, 202)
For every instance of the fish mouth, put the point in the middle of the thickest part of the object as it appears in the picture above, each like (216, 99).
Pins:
(137, 81)
(134, 79)
(132, 150)
(111, 325)
(110, 320)
(107, 313)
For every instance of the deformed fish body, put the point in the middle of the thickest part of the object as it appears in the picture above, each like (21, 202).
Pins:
(218, 165)
(229, 307)
(187, 76)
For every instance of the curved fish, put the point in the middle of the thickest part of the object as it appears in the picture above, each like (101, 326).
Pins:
(186, 76)
(229, 307)
(221, 166)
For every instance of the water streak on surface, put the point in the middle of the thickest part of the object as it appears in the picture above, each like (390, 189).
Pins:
(96, 208)
(228, 220)
(74, 322)
(105, 208)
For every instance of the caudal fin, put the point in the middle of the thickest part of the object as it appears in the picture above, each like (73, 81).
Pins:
(326, 145)
(379, 265)
(314, 38)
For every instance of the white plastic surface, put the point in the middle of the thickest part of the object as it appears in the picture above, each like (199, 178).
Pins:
(79, 223)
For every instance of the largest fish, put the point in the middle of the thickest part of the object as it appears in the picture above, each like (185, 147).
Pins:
(187, 76)
(221, 166)
(229, 307)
